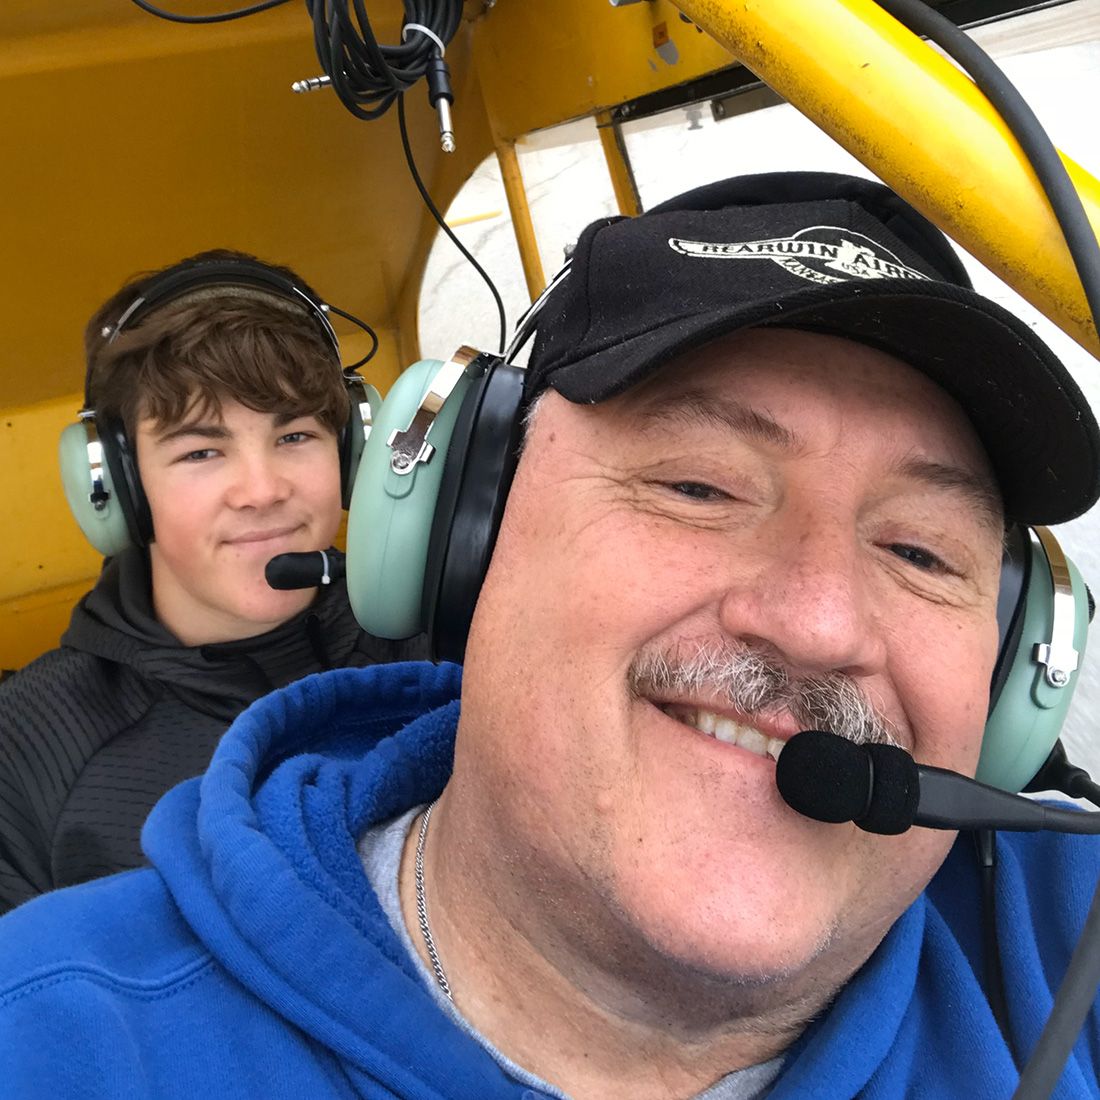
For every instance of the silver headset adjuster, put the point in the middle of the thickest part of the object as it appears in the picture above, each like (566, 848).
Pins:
(99, 496)
(1058, 656)
(410, 445)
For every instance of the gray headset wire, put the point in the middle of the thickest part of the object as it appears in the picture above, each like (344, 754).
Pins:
(528, 322)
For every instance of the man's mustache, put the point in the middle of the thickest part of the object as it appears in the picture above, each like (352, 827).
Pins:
(757, 685)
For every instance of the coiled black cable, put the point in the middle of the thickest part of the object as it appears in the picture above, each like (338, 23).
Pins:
(368, 77)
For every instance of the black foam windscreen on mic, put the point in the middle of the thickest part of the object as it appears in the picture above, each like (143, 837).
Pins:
(824, 776)
(895, 790)
(304, 570)
(832, 779)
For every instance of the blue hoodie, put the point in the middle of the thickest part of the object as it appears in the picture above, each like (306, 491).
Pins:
(253, 960)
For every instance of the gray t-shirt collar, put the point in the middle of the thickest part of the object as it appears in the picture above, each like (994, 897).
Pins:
(380, 850)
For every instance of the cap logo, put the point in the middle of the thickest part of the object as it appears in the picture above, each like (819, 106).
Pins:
(811, 254)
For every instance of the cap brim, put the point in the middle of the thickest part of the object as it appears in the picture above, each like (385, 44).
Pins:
(1022, 402)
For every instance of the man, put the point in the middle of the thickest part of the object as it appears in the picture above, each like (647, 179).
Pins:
(738, 512)
(230, 394)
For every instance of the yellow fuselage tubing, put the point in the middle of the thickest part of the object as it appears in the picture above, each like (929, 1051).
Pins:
(618, 165)
(520, 209)
(920, 125)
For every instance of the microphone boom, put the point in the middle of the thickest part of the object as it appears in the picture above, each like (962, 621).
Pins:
(883, 790)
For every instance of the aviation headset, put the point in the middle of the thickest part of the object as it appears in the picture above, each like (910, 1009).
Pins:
(426, 510)
(98, 460)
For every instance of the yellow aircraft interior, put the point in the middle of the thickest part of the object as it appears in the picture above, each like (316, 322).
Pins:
(130, 142)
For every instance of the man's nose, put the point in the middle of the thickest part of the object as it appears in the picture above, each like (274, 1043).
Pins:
(808, 598)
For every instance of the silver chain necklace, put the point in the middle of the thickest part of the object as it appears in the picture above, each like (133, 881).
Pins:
(422, 906)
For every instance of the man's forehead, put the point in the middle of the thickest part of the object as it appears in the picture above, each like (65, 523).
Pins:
(726, 387)
(761, 351)
(687, 405)
(776, 376)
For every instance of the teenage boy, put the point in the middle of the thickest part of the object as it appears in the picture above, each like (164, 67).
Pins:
(220, 377)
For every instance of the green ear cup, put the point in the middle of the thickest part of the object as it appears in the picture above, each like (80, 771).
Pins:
(104, 527)
(1028, 716)
(390, 519)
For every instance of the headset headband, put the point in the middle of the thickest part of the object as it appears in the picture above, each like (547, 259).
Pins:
(528, 323)
(197, 274)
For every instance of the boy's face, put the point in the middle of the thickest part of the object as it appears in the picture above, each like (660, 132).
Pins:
(228, 490)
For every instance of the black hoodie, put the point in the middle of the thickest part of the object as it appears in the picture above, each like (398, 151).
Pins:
(94, 732)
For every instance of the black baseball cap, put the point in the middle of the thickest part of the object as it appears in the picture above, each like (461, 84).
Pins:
(824, 253)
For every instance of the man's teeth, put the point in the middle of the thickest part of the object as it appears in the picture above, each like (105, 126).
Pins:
(725, 729)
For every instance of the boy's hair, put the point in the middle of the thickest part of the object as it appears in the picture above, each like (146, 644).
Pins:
(211, 344)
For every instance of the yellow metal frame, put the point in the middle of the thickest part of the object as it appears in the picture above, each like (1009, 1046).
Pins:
(618, 164)
(520, 209)
(884, 95)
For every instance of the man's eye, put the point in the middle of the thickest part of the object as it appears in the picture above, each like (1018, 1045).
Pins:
(197, 456)
(921, 558)
(295, 437)
(696, 490)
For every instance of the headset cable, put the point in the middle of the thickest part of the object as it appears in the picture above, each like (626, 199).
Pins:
(369, 78)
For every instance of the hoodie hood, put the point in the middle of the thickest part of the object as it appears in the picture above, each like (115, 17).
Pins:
(116, 622)
(260, 859)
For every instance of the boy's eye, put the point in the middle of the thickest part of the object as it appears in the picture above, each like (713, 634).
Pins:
(296, 437)
(197, 456)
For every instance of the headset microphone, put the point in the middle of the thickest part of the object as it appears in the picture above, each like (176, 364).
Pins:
(304, 570)
(884, 790)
